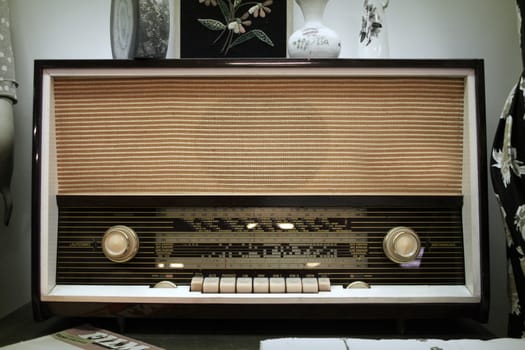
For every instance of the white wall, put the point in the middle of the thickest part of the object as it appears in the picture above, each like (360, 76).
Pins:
(40, 29)
(56, 29)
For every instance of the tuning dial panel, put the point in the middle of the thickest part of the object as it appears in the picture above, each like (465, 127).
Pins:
(120, 243)
(401, 245)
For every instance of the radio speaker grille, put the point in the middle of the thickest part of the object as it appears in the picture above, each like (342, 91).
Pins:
(259, 135)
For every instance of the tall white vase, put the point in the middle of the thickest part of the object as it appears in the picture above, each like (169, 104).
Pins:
(373, 37)
(314, 39)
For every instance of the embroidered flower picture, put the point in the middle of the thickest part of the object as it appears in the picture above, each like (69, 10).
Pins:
(233, 24)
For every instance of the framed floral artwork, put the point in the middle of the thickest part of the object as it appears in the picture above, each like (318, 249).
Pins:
(233, 28)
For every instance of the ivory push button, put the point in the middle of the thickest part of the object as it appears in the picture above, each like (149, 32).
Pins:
(261, 285)
(324, 284)
(310, 285)
(120, 243)
(294, 285)
(196, 283)
(227, 285)
(211, 285)
(401, 245)
(277, 285)
(244, 285)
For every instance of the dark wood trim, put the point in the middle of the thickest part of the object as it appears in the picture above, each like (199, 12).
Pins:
(38, 312)
(476, 64)
(261, 201)
(483, 189)
(270, 311)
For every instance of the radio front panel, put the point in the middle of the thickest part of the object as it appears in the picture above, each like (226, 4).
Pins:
(260, 182)
(343, 244)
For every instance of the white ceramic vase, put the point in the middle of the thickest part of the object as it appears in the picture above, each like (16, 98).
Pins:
(373, 37)
(314, 39)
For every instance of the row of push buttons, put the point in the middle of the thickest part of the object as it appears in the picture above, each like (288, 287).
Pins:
(260, 284)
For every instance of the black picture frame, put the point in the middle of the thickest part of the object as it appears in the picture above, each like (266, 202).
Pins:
(197, 40)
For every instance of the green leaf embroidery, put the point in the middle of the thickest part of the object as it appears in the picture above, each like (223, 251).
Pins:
(242, 38)
(256, 33)
(225, 10)
(262, 37)
(212, 24)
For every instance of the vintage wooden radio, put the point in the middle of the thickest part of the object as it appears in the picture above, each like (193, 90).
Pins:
(260, 188)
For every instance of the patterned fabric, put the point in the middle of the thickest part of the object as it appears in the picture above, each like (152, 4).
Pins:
(8, 84)
(508, 179)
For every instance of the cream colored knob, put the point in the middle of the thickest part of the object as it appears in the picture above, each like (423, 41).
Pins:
(358, 285)
(120, 243)
(401, 245)
(165, 284)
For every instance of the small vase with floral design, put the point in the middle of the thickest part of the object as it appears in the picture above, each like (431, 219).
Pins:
(314, 39)
(373, 37)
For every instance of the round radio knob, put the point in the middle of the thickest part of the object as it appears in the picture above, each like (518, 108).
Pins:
(120, 243)
(401, 245)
